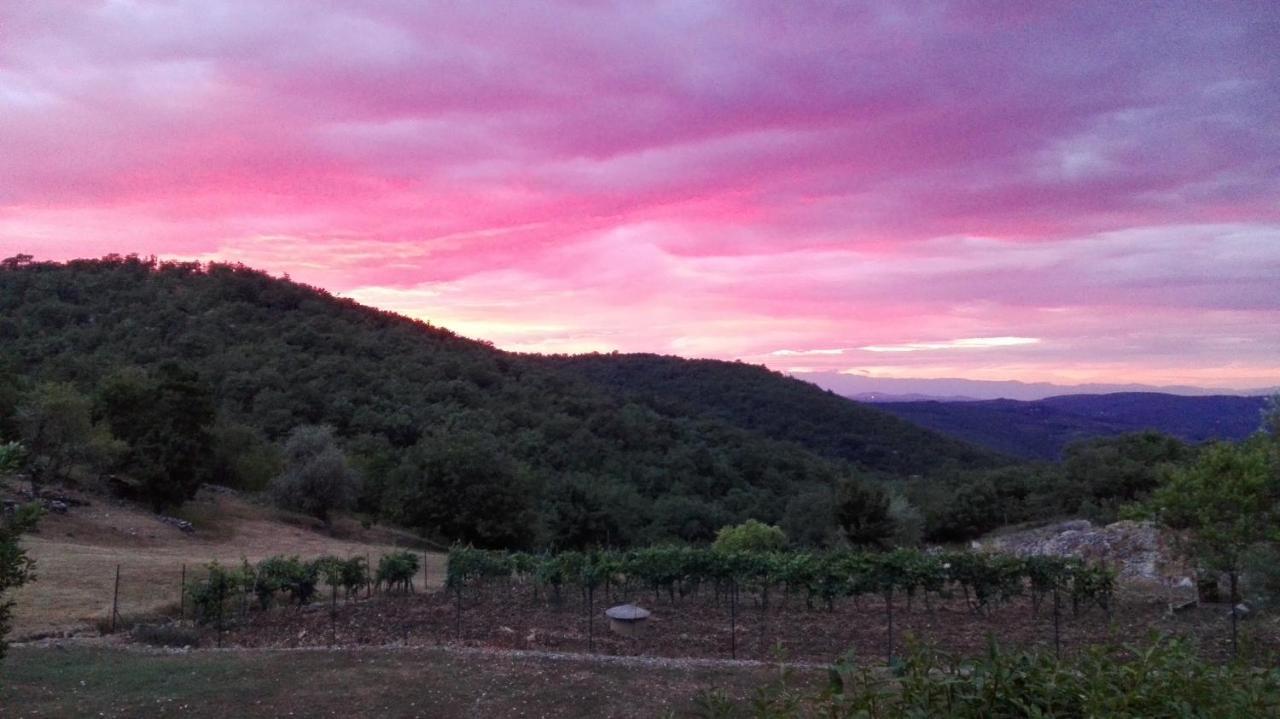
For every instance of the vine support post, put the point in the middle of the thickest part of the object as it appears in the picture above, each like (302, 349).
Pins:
(182, 595)
(457, 613)
(591, 619)
(333, 614)
(1057, 622)
(115, 599)
(733, 619)
(368, 585)
(888, 604)
(1235, 615)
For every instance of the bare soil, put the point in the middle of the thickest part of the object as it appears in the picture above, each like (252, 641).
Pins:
(706, 626)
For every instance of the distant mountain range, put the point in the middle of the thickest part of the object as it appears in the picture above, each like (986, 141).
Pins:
(1040, 429)
(884, 389)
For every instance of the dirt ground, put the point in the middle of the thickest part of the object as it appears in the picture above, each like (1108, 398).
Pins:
(499, 617)
(76, 556)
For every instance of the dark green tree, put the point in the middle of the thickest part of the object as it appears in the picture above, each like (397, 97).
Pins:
(1226, 504)
(56, 430)
(164, 417)
(862, 513)
(463, 487)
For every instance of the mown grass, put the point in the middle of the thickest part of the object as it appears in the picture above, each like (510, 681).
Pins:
(108, 682)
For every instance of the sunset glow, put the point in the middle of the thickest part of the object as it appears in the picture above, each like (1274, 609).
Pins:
(1066, 192)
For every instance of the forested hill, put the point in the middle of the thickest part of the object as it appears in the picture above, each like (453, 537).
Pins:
(771, 403)
(1041, 429)
(451, 435)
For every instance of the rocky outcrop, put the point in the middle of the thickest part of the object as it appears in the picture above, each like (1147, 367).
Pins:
(1136, 549)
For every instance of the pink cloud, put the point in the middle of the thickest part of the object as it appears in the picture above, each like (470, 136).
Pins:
(723, 179)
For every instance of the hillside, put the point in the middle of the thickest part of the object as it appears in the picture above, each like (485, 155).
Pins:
(771, 403)
(1040, 429)
(453, 436)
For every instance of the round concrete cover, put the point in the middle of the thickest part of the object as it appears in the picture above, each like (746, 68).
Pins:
(627, 613)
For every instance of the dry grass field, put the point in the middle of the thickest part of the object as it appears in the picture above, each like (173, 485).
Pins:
(77, 554)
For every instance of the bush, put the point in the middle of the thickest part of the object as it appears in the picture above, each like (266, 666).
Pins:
(1163, 678)
(397, 570)
(750, 536)
(211, 596)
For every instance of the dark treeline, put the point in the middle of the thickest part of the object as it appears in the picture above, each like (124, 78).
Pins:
(167, 375)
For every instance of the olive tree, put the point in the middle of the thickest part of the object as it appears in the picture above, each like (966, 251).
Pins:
(317, 478)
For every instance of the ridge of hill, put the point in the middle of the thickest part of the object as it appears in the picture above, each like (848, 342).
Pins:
(771, 403)
(454, 437)
(1041, 429)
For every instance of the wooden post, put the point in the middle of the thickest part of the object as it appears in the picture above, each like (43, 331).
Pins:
(457, 593)
(888, 603)
(1057, 622)
(333, 614)
(591, 619)
(733, 619)
(1235, 618)
(182, 596)
(369, 569)
(115, 599)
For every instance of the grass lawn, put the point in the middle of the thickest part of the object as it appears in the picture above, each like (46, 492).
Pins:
(108, 682)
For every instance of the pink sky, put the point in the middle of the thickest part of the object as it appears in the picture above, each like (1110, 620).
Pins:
(1068, 192)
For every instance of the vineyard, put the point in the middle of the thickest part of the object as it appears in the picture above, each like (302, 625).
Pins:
(705, 603)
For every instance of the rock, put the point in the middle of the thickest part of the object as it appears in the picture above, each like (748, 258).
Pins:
(1135, 549)
(55, 506)
(1242, 610)
(1185, 583)
(181, 524)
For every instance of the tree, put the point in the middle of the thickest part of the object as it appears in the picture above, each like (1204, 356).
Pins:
(862, 513)
(16, 568)
(317, 478)
(57, 431)
(464, 488)
(1225, 504)
(1271, 418)
(750, 536)
(809, 520)
(164, 418)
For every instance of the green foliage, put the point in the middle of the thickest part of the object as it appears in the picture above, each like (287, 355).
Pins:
(1162, 678)
(1114, 471)
(451, 436)
(316, 478)
(465, 486)
(164, 417)
(16, 568)
(862, 513)
(241, 457)
(1226, 502)
(12, 456)
(750, 536)
(212, 597)
(809, 520)
(770, 403)
(828, 576)
(57, 432)
(397, 570)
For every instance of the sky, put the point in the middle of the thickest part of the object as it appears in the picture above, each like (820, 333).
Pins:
(1063, 192)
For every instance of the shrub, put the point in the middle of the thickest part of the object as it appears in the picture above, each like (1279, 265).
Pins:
(1163, 678)
(750, 536)
(397, 570)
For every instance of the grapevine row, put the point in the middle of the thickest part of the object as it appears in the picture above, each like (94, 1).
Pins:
(820, 576)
